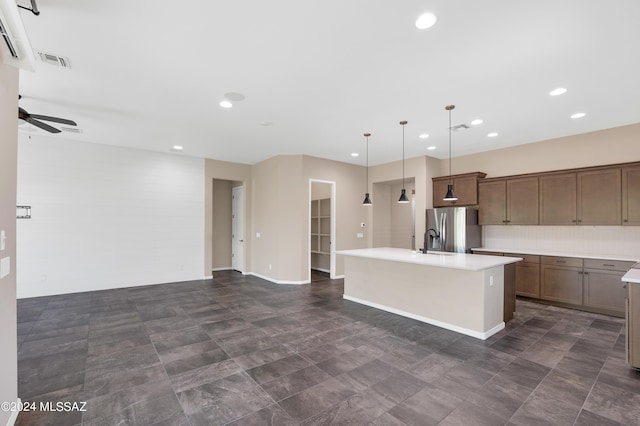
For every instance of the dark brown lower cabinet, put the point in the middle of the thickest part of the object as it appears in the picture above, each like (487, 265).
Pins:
(605, 290)
(632, 322)
(527, 275)
(561, 284)
(561, 279)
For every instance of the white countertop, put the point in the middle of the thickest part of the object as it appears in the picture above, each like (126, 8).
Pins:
(633, 276)
(469, 262)
(561, 254)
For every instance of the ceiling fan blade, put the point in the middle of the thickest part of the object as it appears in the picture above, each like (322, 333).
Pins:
(42, 125)
(54, 119)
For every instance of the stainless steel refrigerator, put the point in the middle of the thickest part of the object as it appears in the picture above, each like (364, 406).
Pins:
(452, 229)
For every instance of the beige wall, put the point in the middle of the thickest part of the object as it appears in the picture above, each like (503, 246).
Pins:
(221, 231)
(8, 173)
(223, 170)
(617, 145)
(350, 213)
(420, 170)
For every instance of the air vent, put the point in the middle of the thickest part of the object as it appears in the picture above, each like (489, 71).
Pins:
(71, 129)
(55, 60)
(459, 127)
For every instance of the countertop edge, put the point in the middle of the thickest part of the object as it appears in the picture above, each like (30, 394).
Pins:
(560, 254)
(632, 276)
(446, 261)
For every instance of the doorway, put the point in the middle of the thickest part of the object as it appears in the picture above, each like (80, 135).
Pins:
(322, 227)
(227, 231)
(237, 229)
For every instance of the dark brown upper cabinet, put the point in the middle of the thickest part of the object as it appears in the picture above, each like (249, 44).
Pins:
(508, 201)
(631, 195)
(465, 187)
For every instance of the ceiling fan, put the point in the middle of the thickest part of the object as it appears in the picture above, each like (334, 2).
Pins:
(35, 120)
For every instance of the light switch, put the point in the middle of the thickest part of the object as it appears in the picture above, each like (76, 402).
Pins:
(3, 238)
(5, 266)
(359, 235)
(257, 235)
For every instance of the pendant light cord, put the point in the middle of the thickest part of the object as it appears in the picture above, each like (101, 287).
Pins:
(367, 188)
(450, 180)
(403, 156)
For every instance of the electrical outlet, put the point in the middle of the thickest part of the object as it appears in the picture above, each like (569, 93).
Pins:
(3, 239)
(269, 266)
(359, 235)
(490, 280)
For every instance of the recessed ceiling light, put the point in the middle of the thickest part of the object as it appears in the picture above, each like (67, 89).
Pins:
(578, 115)
(234, 96)
(492, 135)
(176, 148)
(558, 91)
(431, 148)
(426, 20)
(423, 136)
(476, 122)
(354, 154)
(226, 104)
(266, 123)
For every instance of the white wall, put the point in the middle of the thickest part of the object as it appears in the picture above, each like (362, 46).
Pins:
(106, 217)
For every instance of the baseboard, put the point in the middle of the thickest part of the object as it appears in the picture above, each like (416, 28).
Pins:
(452, 327)
(322, 270)
(225, 268)
(277, 281)
(337, 277)
(14, 414)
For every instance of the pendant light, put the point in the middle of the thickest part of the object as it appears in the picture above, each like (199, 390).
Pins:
(451, 196)
(403, 195)
(367, 200)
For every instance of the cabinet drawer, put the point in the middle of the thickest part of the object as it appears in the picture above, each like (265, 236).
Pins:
(611, 265)
(561, 261)
(526, 258)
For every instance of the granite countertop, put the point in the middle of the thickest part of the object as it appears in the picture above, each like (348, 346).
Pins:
(469, 262)
(561, 254)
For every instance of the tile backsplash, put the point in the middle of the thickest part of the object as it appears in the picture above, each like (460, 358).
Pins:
(587, 240)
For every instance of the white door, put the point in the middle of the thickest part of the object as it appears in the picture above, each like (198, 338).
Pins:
(237, 229)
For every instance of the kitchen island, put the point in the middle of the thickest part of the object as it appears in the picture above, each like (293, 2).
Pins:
(460, 292)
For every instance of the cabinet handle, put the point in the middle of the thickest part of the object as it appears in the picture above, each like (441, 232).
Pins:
(624, 286)
(626, 220)
(574, 221)
(561, 261)
(586, 273)
(608, 264)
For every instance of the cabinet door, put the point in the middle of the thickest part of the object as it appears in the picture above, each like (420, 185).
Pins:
(466, 189)
(558, 199)
(439, 191)
(493, 201)
(604, 290)
(631, 195)
(599, 197)
(528, 280)
(561, 284)
(522, 201)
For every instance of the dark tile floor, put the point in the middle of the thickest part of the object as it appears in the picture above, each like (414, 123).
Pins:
(238, 350)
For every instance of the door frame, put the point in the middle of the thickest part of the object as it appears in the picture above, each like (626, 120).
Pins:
(332, 251)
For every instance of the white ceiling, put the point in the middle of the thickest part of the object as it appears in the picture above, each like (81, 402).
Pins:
(150, 74)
